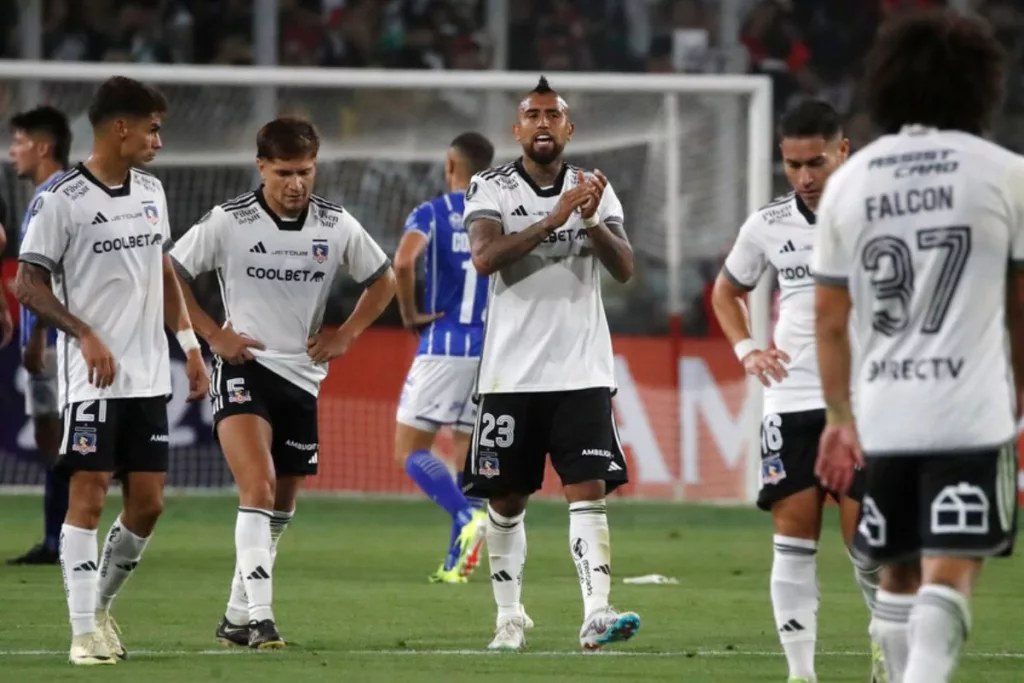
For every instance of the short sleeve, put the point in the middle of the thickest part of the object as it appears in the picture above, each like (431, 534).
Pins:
(421, 220)
(482, 201)
(362, 256)
(610, 208)
(1016, 195)
(200, 250)
(48, 232)
(830, 261)
(746, 261)
(165, 224)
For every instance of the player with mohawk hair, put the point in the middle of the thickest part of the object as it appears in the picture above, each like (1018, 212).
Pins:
(542, 229)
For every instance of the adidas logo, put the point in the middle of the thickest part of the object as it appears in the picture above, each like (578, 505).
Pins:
(501, 576)
(614, 467)
(127, 566)
(258, 249)
(313, 460)
(520, 211)
(792, 626)
(603, 569)
(258, 573)
(89, 566)
(787, 248)
(100, 218)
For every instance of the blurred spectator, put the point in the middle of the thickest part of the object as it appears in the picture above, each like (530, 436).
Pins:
(776, 48)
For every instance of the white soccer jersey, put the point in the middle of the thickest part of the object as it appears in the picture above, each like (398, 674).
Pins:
(921, 227)
(275, 274)
(104, 249)
(546, 328)
(782, 234)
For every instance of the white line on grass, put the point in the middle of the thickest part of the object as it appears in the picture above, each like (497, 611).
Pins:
(479, 653)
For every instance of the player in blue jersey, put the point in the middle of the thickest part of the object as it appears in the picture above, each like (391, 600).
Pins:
(40, 145)
(438, 389)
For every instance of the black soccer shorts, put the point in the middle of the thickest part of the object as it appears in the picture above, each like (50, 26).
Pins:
(119, 435)
(252, 389)
(789, 448)
(961, 504)
(515, 432)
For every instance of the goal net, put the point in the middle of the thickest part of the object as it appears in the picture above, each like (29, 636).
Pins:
(689, 157)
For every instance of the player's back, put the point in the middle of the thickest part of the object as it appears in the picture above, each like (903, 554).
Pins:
(453, 286)
(930, 220)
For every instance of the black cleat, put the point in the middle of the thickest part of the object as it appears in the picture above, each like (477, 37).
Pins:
(232, 634)
(38, 555)
(263, 635)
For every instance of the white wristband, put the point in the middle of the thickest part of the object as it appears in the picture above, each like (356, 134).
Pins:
(744, 348)
(187, 340)
(591, 222)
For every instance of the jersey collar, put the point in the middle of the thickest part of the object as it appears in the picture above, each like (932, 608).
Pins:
(123, 191)
(553, 191)
(805, 211)
(278, 221)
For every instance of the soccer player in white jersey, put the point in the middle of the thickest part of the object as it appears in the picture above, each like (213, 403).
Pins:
(93, 265)
(40, 144)
(781, 234)
(438, 390)
(921, 238)
(542, 229)
(276, 251)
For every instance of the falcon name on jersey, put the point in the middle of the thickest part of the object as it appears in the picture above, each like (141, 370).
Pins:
(546, 328)
(104, 249)
(920, 226)
(275, 274)
(453, 286)
(26, 317)
(782, 234)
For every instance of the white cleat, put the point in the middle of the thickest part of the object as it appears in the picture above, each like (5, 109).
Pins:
(527, 621)
(111, 634)
(509, 636)
(90, 649)
(606, 626)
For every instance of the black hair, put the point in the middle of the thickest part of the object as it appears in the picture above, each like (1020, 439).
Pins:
(543, 87)
(476, 150)
(288, 138)
(935, 68)
(48, 121)
(120, 96)
(811, 119)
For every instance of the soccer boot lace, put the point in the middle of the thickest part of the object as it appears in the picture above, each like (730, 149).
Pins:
(90, 649)
(263, 635)
(232, 634)
(111, 633)
(509, 635)
(606, 626)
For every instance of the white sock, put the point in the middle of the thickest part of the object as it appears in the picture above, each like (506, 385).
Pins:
(794, 588)
(252, 550)
(78, 564)
(867, 575)
(939, 624)
(121, 554)
(590, 547)
(238, 602)
(889, 629)
(506, 551)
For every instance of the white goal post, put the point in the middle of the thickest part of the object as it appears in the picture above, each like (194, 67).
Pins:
(692, 154)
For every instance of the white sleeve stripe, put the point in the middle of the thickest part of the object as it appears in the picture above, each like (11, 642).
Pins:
(40, 260)
(735, 282)
(831, 280)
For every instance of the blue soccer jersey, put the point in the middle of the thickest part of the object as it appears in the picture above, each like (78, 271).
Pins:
(453, 285)
(28, 318)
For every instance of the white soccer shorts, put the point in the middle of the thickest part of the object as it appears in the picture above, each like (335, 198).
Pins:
(438, 391)
(41, 393)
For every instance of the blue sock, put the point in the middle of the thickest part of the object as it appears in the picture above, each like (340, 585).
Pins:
(453, 542)
(55, 508)
(433, 478)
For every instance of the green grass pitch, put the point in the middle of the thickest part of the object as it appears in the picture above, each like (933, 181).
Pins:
(352, 599)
